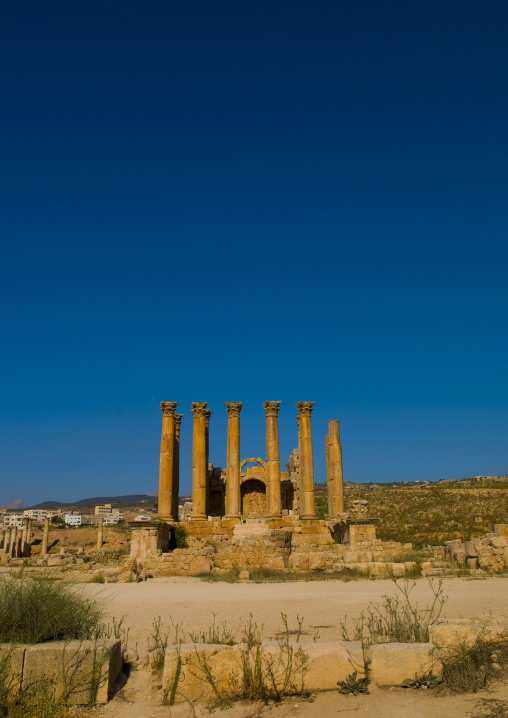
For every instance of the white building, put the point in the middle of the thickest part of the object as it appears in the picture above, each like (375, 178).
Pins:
(142, 518)
(13, 520)
(73, 519)
(37, 515)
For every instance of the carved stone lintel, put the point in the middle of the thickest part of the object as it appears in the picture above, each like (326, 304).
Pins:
(168, 408)
(271, 407)
(305, 407)
(234, 407)
(199, 408)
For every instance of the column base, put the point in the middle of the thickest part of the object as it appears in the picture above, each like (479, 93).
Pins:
(308, 517)
(199, 517)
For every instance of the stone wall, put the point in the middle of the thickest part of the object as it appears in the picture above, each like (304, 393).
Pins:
(489, 553)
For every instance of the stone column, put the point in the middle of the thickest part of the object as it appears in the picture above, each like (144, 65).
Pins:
(167, 460)
(334, 470)
(273, 495)
(306, 460)
(176, 470)
(233, 460)
(24, 536)
(2, 538)
(45, 537)
(17, 543)
(29, 538)
(199, 466)
(328, 479)
(208, 414)
(7, 540)
(100, 534)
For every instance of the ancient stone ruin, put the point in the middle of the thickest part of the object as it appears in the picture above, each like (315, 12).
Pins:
(249, 515)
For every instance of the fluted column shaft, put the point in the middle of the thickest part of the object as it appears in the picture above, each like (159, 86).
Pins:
(175, 493)
(233, 459)
(334, 470)
(167, 454)
(273, 494)
(306, 460)
(199, 466)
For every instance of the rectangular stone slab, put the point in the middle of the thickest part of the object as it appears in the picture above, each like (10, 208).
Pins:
(75, 670)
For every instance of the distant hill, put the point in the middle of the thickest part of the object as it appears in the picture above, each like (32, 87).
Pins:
(128, 499)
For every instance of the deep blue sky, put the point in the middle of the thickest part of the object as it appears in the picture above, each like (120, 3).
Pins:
(249, 201)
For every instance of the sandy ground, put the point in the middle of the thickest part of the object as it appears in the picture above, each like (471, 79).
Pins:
(192, 603)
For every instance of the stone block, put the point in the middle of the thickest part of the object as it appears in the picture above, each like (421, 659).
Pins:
(486, 559)
(498, 542)
(501, 529)
(471, 550)
(351, 556)
(199, 565)
(397, 570)
(14, 657)
(378, 570)
(277, 563)
(72, 667)
(451, 632)
(328, 663)
(317, 561)
(224, 662)
(300, 561)
(393, 663)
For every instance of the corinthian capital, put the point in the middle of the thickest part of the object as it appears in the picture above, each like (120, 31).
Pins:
(168, 408)
(305, 407)
(199, 408)
(271, 407)
(234, 407)
(178, 420)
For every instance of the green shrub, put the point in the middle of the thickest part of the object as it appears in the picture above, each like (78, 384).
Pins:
(178, 538)
(38, 610)
(396, 620)
(468, 668)
(216, 634)
(98, 578)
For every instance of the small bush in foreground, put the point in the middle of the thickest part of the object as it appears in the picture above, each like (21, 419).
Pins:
(39, 610)
(216, 634)
(468, 668)
(396, 620)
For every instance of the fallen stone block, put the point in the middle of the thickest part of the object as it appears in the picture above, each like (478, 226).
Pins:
(392, 663)
(81, 672)
(465, 631)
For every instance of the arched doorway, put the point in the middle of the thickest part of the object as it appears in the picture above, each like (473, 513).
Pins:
(253, 494)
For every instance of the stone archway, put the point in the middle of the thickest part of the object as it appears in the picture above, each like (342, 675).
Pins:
(253, 461)
(253, 497)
